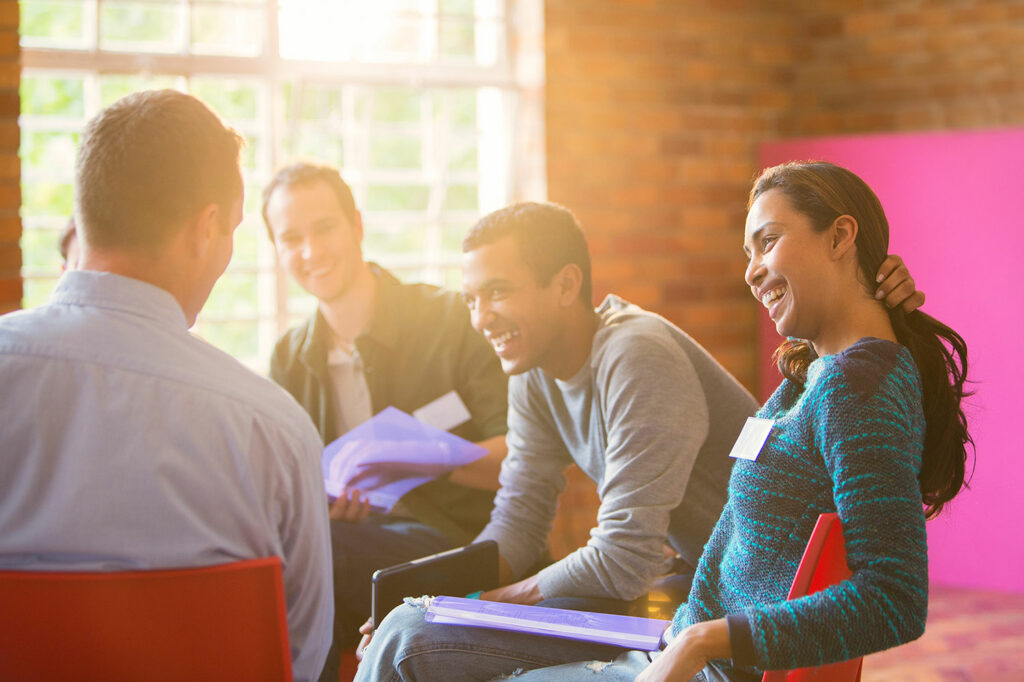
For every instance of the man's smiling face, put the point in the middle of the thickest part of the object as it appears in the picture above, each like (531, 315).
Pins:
(316, 241)
(520, 317)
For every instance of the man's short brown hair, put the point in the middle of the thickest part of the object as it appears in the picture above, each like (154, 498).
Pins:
(307, 173)
(547, 235)
(148, 163)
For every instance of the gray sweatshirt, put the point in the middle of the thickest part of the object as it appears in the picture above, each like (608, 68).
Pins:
(651, 418)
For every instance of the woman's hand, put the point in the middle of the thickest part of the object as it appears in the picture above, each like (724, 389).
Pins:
(689, 652)
(896, 286)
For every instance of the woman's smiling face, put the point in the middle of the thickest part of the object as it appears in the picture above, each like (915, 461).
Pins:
(789, 269)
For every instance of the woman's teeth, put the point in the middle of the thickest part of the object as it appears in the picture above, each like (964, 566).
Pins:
(771, 296)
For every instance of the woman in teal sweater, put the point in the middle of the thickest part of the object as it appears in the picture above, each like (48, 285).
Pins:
(868, 422)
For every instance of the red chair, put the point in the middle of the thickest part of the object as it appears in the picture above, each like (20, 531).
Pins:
(823, 564)
(219, 623)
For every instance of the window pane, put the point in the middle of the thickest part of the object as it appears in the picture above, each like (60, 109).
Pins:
(380, 244)
(52, 96)
(115, 86)
(232, 99)
(247, 242)
(460, 7)
(312, 143)
(461, 198)
(312, 102)
(48, 150)
(37, 290)
(464, 108)
(391, 39)
(141, 26)
(39, 198)
(458, 38)
(396, 105)
(234, 295)
(312, 29)
(227, 30)
(53, 23)
(250, 158)
(463, 156)
(237, 338)
(395, 151)
(452, 235)
(397, 198)
(39, 251)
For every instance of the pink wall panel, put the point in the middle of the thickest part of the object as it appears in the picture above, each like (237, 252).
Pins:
(954, 206)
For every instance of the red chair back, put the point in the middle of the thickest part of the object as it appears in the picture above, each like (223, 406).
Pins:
(224, 622)
(823, 564)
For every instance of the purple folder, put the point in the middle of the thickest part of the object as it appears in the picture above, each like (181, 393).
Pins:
(390, 454)
(601, 628)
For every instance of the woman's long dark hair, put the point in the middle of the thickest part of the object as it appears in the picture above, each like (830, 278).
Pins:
(823, 191)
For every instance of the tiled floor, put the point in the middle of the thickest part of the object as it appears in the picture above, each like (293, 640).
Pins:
(971, 636)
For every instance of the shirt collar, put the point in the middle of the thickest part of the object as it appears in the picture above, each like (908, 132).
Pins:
(117, 292)
(384, 322)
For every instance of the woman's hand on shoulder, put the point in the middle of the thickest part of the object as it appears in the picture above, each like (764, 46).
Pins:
(896, 286)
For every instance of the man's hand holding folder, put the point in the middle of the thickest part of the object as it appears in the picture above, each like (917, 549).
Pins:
(385, 458)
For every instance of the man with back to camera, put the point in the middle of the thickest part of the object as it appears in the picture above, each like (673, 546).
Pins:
(372, 343)
(128, 443)
(635, 402)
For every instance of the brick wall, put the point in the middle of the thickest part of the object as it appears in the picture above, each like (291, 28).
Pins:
(10, 165)
(908, 65)
(655, 109)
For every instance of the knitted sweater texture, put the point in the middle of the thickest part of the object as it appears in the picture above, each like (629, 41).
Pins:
(849, 442)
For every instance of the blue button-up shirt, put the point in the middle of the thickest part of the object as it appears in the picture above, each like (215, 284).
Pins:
(128, 443)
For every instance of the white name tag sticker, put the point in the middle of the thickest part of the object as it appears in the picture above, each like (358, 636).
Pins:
(752, 438)
(445, 413)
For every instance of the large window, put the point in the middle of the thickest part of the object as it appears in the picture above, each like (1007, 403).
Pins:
(414, 100)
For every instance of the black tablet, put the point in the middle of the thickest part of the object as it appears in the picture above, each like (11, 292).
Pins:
(456, 573)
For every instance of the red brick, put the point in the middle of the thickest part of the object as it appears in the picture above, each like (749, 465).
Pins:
(10, 257)
(10, 167)
(10, 229)
(9, 45)
(9, 14)
(10, 290)
(10, 75)
(10, 104)
(869, 23)
(10, 195)
(10, 135)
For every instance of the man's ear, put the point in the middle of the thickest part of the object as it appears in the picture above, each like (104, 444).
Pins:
(203, 228)
(843, 233)
(568, 281)
(357, 227)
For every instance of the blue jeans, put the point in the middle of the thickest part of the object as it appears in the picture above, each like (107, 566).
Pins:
(358, 550)
(407, 648)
